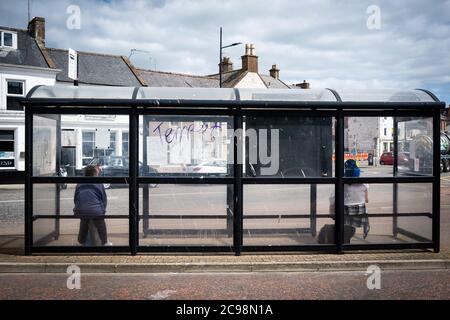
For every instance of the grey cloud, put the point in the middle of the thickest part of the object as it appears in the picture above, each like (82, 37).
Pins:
(325, 42)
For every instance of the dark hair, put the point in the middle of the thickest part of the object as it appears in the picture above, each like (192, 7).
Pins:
(90, 171)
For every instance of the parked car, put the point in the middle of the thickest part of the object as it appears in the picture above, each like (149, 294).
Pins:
(118, 166)
(212, 167)
(388, 158)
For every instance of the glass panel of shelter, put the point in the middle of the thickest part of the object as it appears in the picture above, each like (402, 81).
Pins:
(186, 146)
(81, 140)
(370, 142)
(394, 212)
(60, 146)
(289, 146)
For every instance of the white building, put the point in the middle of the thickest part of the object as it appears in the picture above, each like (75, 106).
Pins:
(22, 66)
(369, 134)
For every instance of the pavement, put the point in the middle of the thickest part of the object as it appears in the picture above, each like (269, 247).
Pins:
(223, 263)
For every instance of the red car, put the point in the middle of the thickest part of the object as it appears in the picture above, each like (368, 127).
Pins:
(388, 158)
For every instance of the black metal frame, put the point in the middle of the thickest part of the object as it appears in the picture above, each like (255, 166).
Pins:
(237, 109)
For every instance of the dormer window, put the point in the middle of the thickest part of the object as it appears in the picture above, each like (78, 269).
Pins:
(8, 40)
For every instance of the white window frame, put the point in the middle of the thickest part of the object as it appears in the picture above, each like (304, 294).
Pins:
(15, 94)
(14, 39)
(24, 83)
(82, 141)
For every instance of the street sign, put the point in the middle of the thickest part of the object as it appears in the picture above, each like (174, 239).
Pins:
(73, 64)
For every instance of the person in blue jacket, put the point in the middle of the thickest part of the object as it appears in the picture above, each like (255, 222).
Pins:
(356, 195)
(90, 205)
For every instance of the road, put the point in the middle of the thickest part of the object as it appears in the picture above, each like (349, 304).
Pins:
(425, 284)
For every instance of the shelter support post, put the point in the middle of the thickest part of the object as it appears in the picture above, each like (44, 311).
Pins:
(133, 188)
(339, 187)
(238, 188)
(395, 185)
(313, 209)
(436, 194)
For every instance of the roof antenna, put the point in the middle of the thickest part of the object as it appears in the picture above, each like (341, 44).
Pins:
(132, 51)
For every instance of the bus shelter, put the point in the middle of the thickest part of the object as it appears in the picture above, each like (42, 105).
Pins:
(232, 170)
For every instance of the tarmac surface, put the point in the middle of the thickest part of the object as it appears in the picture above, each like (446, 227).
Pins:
(393, 285)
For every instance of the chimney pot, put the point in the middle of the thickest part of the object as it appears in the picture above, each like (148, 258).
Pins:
(226, 65)
(36, 28)
(274, 72)
(303, 85)
(250, 60)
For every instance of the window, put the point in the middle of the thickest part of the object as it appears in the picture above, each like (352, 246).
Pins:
(88, 146)
(8, 39)
(112, 145)
(125, 144)
(385, 131)
(15, 90)
(6, 148)
(15, 87)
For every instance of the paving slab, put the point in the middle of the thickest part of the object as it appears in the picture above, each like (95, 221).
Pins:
(412, 260)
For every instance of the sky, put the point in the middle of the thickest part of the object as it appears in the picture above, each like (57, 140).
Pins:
(357, 44)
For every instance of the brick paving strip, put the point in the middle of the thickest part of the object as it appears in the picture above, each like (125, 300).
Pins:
(412, 260)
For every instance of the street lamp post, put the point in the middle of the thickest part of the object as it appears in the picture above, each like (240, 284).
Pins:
(220, 56)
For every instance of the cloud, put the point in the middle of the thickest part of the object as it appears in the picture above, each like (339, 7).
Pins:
(324, 42)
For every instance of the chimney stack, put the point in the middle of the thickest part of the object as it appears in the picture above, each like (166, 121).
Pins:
(303, 85)
(250, 60)
(226, 65)
(274, 72)
(36, 28)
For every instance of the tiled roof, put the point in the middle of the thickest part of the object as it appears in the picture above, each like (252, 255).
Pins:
(27, 53)
(114, 70)
(94, 68)
(273, 83)
(231, 78)
(168, 79)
